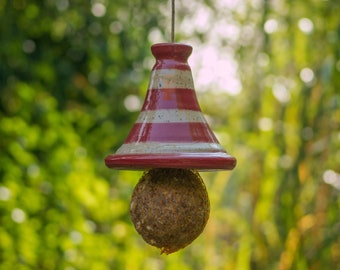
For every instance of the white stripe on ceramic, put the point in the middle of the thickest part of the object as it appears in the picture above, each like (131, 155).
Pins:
(170, 116)
(168, 148)
(171, 78)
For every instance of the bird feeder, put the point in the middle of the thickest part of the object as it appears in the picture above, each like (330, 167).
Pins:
(170, 140)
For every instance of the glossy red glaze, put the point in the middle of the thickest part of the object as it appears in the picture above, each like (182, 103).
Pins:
(199, 161)
(182, 99)
(171, 56)
(171, 132)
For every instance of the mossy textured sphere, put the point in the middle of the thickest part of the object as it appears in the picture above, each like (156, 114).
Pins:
(170, 208)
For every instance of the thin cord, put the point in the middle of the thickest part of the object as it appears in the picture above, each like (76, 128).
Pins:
(172, 21)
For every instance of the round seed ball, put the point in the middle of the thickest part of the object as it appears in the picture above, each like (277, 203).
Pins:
(170, 208)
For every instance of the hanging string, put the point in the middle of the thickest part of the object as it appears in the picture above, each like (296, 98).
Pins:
(172, 21)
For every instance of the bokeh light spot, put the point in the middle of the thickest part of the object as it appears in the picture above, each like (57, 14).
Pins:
(98, 9)
(62, 5)
(5, 193)
(332, 178)
(28, 46)
(307, 75)
(33, 170)
(281, 93)
(132, 103)
(76, 237)
(265, 124)
(18, 215)
(116, 27)
(306, 25)
(271, 26)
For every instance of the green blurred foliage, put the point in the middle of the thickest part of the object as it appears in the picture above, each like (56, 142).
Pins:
(66, 68)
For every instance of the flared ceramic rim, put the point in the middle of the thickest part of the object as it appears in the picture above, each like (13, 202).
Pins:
(205, 162)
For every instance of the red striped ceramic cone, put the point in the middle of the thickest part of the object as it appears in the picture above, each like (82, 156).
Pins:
(171, 131)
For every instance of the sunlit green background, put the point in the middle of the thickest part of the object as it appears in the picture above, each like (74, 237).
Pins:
(72, 77)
